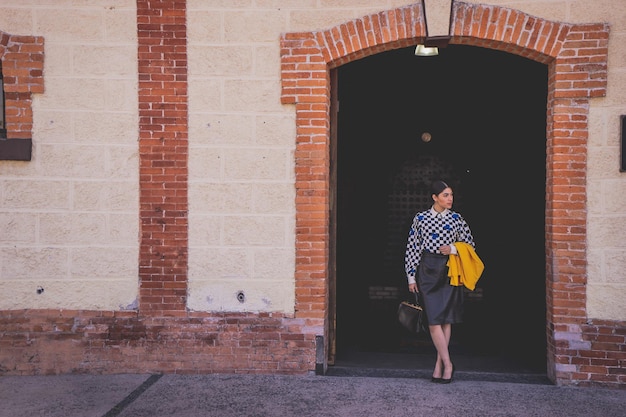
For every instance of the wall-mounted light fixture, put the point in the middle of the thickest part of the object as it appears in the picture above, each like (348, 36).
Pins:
(422, 50)
(437, 20)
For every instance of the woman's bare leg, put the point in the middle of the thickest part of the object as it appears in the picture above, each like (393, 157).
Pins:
(440, 335)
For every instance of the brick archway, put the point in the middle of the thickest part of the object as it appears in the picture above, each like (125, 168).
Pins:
(576, 55)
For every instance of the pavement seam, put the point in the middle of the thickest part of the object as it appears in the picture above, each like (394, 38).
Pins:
(117, 409)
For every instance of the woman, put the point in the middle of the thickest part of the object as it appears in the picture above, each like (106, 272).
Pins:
(431, 240)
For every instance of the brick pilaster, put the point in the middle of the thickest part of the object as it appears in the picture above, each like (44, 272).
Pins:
(163, 155)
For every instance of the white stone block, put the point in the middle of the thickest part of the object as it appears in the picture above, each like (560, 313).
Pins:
(26, 263)
(229, 198)
(68, 229)
(304, 20)
(265, 62)
(614, 267)
(276, 198)
(123, 164)
(254, 231)
(73, 94)
(69, 294)
(273, 263)
(253, 26)
(601, 161)
(121, 104)
(261, 295)
(276, 130)
(222, 61)
(111, 61)
(615, 94)
(252, 95)
(88, 263)
(72, 161)
(205, 95)
(215, 129)
(16, 20)
(204, 230)
(57, 61)
(17, 228)
(20, 168)
(255, 164)
(123, 230)
(105, 196)
(219, 263)
(599, 11)
(34, 194)
(601, 231)
(617, 53)
(613, 200)
(606, 301)
(195, 5)
(120, 23)
(53, 126)
(53, 22)
(205, 164)
(204, 26)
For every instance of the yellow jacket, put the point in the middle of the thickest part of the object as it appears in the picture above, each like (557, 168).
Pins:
(465, 268)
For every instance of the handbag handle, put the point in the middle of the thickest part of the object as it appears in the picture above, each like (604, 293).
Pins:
(417, 301)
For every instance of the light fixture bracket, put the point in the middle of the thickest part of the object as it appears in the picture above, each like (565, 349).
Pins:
(436, 41)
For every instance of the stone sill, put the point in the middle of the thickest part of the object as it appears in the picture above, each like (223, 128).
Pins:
(15, 149)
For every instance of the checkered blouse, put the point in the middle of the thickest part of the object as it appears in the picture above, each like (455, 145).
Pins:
(431, 230)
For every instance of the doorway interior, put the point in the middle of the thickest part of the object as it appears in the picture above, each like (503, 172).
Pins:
(484, 116)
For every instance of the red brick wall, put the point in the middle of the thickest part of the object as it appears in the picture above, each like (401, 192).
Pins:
(45, 342)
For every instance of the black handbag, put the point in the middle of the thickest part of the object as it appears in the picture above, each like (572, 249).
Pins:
(412, 315)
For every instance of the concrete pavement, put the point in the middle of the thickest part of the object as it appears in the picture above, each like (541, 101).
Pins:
(223, 395)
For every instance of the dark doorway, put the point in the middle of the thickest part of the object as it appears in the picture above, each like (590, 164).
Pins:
(486, 113)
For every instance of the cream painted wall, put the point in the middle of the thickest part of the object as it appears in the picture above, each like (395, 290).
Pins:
(68, 218)
(241, 156)
(76, 235)
(241, 161)
(234, 51)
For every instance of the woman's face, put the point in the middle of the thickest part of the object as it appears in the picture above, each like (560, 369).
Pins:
(443, 200)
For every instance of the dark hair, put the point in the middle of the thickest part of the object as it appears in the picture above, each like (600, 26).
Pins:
(437, 187)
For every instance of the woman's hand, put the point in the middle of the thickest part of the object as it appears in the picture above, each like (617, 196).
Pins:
(413, 288)
(445, 250)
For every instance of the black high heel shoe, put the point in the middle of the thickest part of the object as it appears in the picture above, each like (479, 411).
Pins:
(447, 381)
(435, 379)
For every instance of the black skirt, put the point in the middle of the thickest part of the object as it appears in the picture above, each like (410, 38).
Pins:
(442, 302)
